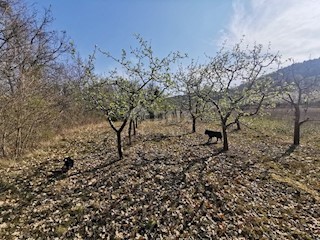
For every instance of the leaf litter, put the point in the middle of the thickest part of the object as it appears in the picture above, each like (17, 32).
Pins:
(170, 185)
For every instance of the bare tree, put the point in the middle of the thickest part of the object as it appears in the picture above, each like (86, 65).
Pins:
(299, 90)
(28, 50)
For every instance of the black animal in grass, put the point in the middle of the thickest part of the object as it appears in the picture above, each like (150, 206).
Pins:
(212, 134)
(68, 164)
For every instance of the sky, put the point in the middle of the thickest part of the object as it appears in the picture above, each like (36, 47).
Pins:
(195, 27)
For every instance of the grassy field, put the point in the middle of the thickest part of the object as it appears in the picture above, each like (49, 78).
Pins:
(170, 185)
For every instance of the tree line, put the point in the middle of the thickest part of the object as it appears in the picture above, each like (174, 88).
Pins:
(38, 78)
(45, 85)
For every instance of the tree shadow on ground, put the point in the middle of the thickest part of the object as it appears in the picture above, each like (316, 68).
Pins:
(137, 187)
(171, 178)
(99, 167)
(290, 150)
(205, 144)
(158, 137)
(287, 153)
(143, 193)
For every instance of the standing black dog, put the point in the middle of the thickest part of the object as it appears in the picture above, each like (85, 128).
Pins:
(68, 164)
(212, 134)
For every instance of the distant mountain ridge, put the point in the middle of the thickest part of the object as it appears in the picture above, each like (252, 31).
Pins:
(305, 69)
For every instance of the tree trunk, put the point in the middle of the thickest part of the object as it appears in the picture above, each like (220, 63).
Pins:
(134, 127)
(118, 132)
(238, 124)
(129, 131)
(136, 123)
(119, 144)
(181, 115)
(151, 115)
(174, 115)
(194, 119)
(18, 143)
(3, 145)
(225, 135)
(296, 132)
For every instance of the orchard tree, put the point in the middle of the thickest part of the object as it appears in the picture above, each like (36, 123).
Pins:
(157, 102)
(234, 81)
(152, 103)
(188, 82)
(300, 87)
(122, 92)
(116, 98)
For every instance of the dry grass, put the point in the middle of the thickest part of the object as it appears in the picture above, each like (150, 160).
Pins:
(297, 185)
(169, 185)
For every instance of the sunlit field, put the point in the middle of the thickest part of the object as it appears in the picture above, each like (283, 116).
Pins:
(117, 122)
(171, 184)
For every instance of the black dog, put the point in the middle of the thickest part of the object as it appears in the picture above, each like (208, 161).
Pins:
(212, 134)
(68, 164)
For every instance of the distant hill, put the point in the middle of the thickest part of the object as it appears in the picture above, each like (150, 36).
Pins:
(306, 69)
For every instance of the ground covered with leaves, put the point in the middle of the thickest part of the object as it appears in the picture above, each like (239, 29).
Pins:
(170, 185)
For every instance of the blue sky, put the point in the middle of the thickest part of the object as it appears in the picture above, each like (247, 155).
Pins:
(191, 26)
